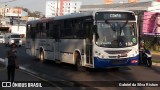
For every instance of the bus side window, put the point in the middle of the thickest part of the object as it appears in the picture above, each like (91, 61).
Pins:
(54, 31)
(37, 30)
(79, 29)
(68, 29)
(47, 29)
(28, 31)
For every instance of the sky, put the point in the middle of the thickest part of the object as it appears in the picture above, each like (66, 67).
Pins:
(39, 5)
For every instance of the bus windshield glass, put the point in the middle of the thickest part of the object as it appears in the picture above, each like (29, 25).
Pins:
(15, 36)
(116, 34)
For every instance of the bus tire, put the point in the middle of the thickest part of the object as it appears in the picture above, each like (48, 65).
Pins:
(78, 63)
(6, 45)
(116, 68)
(41, 57)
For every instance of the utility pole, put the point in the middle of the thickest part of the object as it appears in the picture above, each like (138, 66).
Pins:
(18, 17)
(57, 8)
(5, 10)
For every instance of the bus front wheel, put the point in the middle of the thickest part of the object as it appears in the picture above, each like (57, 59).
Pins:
(79, 63)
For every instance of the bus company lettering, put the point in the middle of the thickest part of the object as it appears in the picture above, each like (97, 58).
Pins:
(115, 15)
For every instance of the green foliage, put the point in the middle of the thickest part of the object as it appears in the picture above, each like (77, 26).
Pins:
(148, 44)
(152, 43)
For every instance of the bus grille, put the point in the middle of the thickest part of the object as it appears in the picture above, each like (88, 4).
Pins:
(117, 62)
(16, 41)
(118, 52)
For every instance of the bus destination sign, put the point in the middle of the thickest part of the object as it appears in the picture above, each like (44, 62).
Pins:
(114, 16)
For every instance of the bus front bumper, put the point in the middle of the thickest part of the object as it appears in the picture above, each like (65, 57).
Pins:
(104, 63)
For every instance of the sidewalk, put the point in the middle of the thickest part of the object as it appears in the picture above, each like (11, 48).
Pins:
(155, 53)
(22, 76)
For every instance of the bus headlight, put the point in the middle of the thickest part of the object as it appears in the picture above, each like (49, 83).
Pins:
(20, 41)
(101, 56)
(12, 41)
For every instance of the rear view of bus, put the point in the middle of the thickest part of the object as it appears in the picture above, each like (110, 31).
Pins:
(116, 39)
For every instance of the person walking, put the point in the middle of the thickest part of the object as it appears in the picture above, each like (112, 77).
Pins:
(12, 62)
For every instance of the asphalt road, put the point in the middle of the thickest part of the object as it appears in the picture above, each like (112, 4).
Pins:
(51, 71)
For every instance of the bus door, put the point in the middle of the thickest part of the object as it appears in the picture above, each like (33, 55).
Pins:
(89, 53)
(89, 44)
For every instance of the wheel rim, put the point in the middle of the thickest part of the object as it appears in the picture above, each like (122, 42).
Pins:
(79, 64)
(41, 56)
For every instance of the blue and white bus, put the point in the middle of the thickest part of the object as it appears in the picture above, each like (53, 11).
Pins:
(94, 39)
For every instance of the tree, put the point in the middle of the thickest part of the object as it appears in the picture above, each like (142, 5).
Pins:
(37, 14)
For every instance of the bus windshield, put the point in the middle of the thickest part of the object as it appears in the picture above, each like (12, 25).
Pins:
(116, 34)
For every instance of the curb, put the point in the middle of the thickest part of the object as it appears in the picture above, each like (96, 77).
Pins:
(155, 64)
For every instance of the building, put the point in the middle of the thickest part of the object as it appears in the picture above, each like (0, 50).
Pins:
(132, 1)
(15, 12)
(8, 13)
(13, 20)
(108, 1)
(144, 11)
(119, 6)
(61, 7)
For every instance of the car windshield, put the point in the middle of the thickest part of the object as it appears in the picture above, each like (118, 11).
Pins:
(116, 34)
(15, 36)
(19, 22)
(1, 36)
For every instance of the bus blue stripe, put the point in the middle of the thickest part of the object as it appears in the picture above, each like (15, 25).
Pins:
(102, 63)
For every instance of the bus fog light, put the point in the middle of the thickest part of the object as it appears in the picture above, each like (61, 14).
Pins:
(134, 61)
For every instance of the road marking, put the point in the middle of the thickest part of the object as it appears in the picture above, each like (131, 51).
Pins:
(156, 64)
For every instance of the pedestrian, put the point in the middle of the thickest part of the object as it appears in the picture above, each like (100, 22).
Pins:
(12, 62)
(142, 51)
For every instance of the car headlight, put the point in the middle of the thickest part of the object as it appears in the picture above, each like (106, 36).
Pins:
(20, 41)
(12, 41)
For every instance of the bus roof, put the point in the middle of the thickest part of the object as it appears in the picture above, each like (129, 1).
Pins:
(74, 15)
(88, 13)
